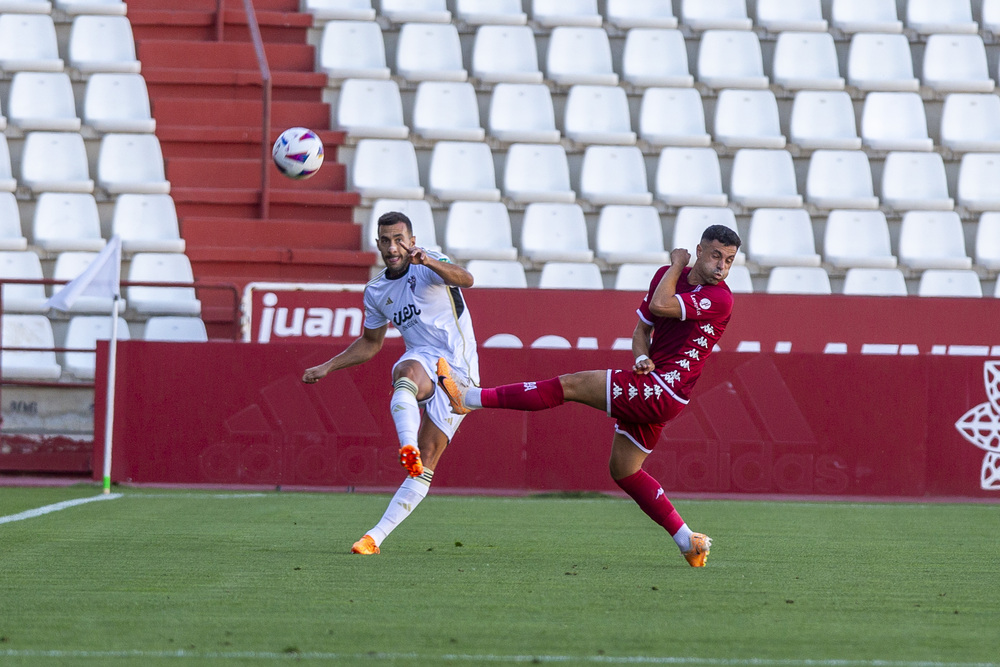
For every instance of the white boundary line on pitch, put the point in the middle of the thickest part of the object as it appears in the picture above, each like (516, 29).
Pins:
(55, 507)
(453, 657)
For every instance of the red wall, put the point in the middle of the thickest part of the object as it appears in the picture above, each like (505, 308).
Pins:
(813, 424)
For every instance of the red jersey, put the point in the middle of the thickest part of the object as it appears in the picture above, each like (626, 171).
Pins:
(680, 346)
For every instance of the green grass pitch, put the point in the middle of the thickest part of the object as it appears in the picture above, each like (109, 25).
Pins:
(218, 578)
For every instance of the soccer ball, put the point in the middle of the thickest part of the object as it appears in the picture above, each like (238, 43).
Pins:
(298, 153)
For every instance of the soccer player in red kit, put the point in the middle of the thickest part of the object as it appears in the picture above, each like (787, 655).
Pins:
(681, 318)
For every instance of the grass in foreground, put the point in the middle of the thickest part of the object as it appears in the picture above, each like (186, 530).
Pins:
(210, 578)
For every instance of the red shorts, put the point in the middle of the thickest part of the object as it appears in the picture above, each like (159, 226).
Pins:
(641, 404)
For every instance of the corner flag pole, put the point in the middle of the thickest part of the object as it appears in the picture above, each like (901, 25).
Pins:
(109, 413)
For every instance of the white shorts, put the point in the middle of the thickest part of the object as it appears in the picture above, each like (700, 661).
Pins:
(437, 408)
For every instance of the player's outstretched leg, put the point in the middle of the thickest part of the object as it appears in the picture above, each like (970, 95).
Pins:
(527, 396)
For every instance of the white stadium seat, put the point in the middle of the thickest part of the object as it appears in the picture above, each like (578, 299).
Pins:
(339, 10)
(739, 279)
(30, 331)
(764, 178)
(656, 57)
(689, 177)
(858, 239)
(479, 230)
(537, 172)
(614, 175)
(495, 273)
(42, 101)
(82, 334)
(956, 63)
(11, 237)
(877, 61)
(626, 14)
(781, 237)
(55, 161)
(635, 277)
(67, 221)
(971, 122)
(950, 283)
(806, 60)
(731, 59)
(74, 7)
(895, 121)
(715, 14)
(932, 240)
(570, 275)
(852, 16)
(386, 168)
(673, 117)
(146, 223)
(555, 232)
(131, 163)
(522, 112)
(162, 267)
(552, 13)
(505, 53)
(915, 181)
(988, 241)
(979, 182)
(353, 50)
(798, 280)
(117, 103)
(598, 115)
(70, 265)
(429, 52)
(479, 12)
(747, 119)
(175, 329)
(26, 6)
(7, 182)
(370, 108)
(28, 42)
(928, 17)
(630, 234)
(415, 11)
(691, 223)
(875, 282)
(102, 44)
(781, 15)
(462, 170)
(823, 119)
(580, 55)
(24, 297)
(447, 110)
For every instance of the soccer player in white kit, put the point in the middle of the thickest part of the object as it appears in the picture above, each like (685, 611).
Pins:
(419, 291)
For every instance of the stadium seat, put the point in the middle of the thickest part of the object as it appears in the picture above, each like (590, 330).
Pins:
(131, 163)
(462, 170)
(31, 331)
(570, 275)
(858, 239)
(7, 182)
(430, 52)
(503, 340)
(28, 43)
(739, 280)
(971, 122)
(42, 101)
(823, 119)
(598, 115)
(55, 161)
(537, 172)
(495, 273)
(747, 119)
(415, 11)
(500, 12)
(117, 103)
(479, 230)
(635, 277)
(614, 175)
(551, 342)
(447, 110)
(806, 60)
(339, 10)
(102, 44)
(950, 283)
(915, 181)
(764, 178)
(781, 16)
(781, 237)
(691, 224)
(67, 221)
(630, 234)
(146, 223)
(877, 61)
(580, 55)
(386, 168)
(26, 6)
(82, 334)
(175, 329)
(419, 213)
(875, 282)
(731, 59)
(928, 17)
(162, 267)
(895, 121)
(370, 108)
(689, 177)
(627, 14)
(552, 13)
(74, 7)
(353, 50)
(522, 112)
(798, 280)
(979, 182)
(673, 117)
(988, 241)
(715, 14)
(932, 240)
(852, 16)
(990, 14)
(656, 57)
(11, 237)
(3, 120)
(555, 232)
(502, 53)
(956, 63)
(71, 264)
(26, 297)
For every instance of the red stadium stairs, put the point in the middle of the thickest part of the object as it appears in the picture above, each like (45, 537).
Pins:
(206, 98)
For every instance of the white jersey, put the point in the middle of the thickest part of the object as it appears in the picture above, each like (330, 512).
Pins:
(430, 315)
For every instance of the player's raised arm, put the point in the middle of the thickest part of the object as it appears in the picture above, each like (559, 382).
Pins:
(361, 350)
(452, 274)
(663, 303)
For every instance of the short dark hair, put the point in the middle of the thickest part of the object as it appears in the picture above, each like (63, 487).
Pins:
(393, 217)
(722, 234)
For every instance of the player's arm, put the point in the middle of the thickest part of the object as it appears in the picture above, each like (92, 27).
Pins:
(361, 350)
(664, 303)
(640, 348)
(451, 274)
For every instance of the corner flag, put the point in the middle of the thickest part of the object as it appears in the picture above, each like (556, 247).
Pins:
(102, 278)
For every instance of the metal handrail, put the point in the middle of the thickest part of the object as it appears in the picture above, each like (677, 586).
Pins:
(265, 77)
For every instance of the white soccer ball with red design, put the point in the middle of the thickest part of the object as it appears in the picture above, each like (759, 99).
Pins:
(298, 153)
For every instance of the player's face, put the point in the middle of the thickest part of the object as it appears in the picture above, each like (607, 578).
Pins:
(394, 242)
(713, 262)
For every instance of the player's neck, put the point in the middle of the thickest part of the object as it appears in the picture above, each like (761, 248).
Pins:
(396, 275)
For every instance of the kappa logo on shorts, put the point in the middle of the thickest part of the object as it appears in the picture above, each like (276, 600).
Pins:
(529, 386)
(651, 390)
(616, 391)
(632, 392)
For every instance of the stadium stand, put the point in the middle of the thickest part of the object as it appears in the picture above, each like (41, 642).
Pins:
(479, 230)
(497, 273)
(555, 233)
(522, 112)
(823, 119)
(370, 108)
(673, 117)
(627, 14)
(655, 57)
(445, 110)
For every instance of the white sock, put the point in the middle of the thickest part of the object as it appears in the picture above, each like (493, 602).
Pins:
(683, 537)
(407, 497)
(405, 411)
(474, 397)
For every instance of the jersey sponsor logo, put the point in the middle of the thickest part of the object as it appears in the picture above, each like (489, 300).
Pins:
(401, 318)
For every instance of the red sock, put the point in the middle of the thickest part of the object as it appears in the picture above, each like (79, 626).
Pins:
(649, 495)
(528, 396)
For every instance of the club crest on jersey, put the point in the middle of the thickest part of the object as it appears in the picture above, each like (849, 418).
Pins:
(412, 282)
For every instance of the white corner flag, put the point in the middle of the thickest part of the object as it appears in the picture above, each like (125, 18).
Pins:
(102, 278)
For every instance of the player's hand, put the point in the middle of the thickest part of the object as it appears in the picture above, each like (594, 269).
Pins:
(643, 366)
(314, 374)
(680, 257)
(417, 254)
